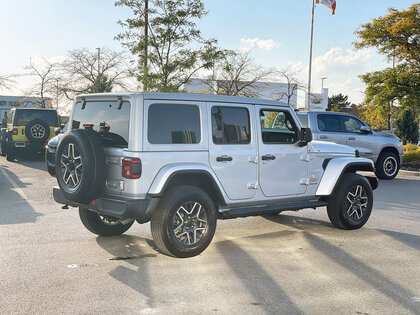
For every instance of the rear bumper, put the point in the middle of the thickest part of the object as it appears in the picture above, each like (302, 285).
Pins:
(120, 207)
(26, 145)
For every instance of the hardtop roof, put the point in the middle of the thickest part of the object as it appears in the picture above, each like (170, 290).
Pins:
(188, 97)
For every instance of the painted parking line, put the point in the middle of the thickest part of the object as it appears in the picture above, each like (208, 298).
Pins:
(15, 186)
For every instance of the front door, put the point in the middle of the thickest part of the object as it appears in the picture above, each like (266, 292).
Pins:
(363, 142)
(233, 149)
(283, 165)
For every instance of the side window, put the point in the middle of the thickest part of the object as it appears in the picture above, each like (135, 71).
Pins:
(278, 127)
(230, 125)
(173, 124)
(352, 124)
(328, 122)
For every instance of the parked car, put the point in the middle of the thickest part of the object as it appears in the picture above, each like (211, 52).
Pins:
(182, 161)
(29, 129)
(51, 149)
(342, 128)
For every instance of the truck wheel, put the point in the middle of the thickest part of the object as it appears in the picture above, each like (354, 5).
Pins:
(102, 225)
(387, 166)
(349, 207)
(184, 223)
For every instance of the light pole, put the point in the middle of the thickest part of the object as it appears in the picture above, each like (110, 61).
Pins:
(99, 61)
(308, 106)
(146, 44)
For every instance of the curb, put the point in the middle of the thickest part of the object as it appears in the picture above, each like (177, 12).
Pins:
(409, 173)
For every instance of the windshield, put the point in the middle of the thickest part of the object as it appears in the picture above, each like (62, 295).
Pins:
(24, 116)
(303, 119)
(104, 117)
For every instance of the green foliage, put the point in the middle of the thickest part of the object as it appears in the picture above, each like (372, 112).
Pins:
(395, 35)
(176, 48)
(407, 127)
(411, 153)
(102, 85)
(338, 103)
(374, 116)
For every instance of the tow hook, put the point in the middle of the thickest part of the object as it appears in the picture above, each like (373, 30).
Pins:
(65, 207)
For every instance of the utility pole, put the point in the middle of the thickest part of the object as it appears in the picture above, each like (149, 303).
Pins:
(56, 95)
(99, 61)
(146, 44)
(310, 57)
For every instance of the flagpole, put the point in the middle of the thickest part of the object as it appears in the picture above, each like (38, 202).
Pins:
(310, 57)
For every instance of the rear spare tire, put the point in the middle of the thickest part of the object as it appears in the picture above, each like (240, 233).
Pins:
(37, 131)
(80, 165)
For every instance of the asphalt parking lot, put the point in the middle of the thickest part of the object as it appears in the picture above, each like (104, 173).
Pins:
(292, 263)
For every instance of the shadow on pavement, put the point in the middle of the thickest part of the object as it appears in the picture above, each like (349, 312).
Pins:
(14, 208)
(374, 278)
(268, 294)
(32, 160)
(132, 249)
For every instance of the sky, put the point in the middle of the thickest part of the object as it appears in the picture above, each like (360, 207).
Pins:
(277, 31)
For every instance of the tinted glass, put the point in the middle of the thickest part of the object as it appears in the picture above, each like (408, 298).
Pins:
(329, 123)
(278, 127)
(303, 120)
(23, 116)
(352, 124)
(104, 117)
(230, 125)
(174, 124)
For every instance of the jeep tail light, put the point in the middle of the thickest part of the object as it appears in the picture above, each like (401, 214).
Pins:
(131, 168)
(14, 131)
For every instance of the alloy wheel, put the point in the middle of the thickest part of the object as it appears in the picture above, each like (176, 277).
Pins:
(390, 166)
(190, 223)
(71, 166)
(356, 202)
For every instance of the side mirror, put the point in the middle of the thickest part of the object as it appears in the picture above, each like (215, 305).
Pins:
(305, 136)
(365, 129)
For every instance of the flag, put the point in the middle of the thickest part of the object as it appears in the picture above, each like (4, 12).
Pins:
(328, 3)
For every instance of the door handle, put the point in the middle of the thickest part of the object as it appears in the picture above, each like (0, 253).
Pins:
(323, 137)
(351, 138)
(224, 158)
(268, 157)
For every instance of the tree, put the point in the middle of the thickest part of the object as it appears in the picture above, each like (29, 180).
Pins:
(338, 103)
(83, 72)
(174, 49)
(45, 73)
(374, 116)
(395, 35)
(6, 81)
(238, 75)
(407, 127)
(293, 85)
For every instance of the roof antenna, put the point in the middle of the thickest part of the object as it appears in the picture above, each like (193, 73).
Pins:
(83, 103)
(120, 102)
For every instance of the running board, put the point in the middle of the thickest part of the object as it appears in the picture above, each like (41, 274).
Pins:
(271, 209)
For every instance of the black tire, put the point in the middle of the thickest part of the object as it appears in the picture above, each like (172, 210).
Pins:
(105, 226)
(387, 165)
(51, 170)
(88, 180)
(37, 131)
(339, 206)
(10, 152)
(3, 148)
(164, 220)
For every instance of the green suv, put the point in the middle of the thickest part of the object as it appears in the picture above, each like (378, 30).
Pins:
(29, 130)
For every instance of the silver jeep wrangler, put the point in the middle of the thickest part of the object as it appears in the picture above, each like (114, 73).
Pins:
(182, 161)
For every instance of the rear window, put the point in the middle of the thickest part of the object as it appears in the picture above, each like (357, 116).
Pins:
(24, 116)
(104, 117)
(330, 123)
(173, 124)
(230, 125)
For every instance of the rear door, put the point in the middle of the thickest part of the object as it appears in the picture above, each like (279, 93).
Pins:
(233, 149)
(112, 125)
(330, 128)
